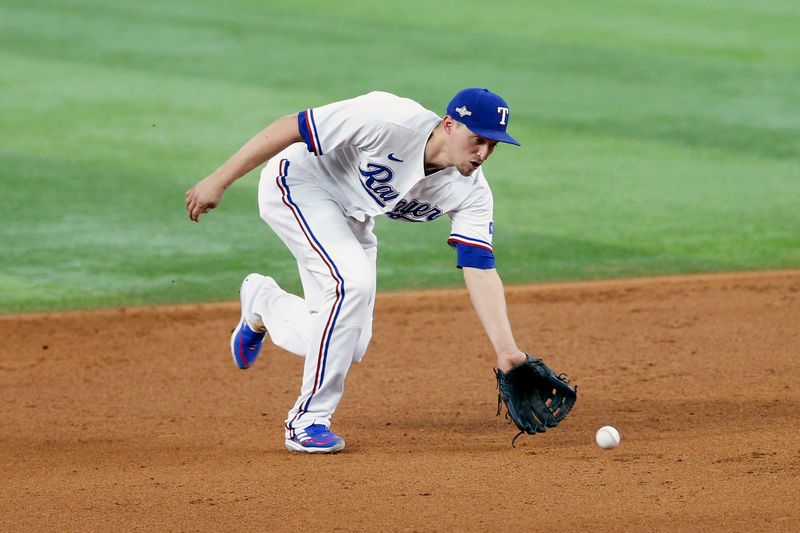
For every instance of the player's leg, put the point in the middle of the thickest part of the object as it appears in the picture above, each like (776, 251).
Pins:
(312, 226)
(346, 278)
(284, 316)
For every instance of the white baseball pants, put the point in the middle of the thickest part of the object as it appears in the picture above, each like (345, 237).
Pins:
(336, 255)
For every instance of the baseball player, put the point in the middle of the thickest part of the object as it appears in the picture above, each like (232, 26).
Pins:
(330, 171)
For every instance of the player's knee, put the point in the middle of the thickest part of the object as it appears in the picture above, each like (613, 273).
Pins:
(352, 291)
(359, 289)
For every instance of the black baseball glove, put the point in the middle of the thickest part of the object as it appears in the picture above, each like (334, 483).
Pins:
(536, 398)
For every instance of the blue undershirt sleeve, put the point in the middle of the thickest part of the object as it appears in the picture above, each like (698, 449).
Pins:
(474, 257)
(306, 127)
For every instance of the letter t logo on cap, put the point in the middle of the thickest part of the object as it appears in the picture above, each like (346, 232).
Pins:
(503, 115)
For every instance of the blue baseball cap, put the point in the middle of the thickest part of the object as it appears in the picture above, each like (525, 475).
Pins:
(483, 112)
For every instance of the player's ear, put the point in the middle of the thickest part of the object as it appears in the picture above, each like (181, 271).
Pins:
(449, 124)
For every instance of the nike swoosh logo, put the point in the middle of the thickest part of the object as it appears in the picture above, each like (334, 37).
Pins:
(393, 158)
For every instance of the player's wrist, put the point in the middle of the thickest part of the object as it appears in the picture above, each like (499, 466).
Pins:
(509, 359)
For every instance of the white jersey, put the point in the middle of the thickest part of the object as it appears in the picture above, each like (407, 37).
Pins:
(369, 153)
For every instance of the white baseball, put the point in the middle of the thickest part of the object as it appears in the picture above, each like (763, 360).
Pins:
(607, 437)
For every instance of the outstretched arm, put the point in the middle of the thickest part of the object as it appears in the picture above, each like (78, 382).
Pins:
(487, 295)
(207, 193)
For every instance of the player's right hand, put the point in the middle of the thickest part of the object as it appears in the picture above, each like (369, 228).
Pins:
(203, 197)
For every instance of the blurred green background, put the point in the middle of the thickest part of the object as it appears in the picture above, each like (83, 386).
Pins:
(658, 137)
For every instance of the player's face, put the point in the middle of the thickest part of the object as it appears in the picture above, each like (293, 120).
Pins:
(468, 151)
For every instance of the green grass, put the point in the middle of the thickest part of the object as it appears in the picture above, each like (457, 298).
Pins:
(657, 137)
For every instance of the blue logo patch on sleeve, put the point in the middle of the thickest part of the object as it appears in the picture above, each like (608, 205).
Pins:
(491, 227)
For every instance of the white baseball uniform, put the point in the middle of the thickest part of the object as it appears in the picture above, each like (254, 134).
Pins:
(361, 158)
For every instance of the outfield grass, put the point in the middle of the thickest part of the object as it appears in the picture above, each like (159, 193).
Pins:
(657, 137)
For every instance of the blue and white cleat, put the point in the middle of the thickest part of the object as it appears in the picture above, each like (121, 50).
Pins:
(316, 438)
(246, 340)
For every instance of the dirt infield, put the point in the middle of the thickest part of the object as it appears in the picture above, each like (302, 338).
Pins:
(137, 419)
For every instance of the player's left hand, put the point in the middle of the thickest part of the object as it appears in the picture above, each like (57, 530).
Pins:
(203, 197)
(535, 397)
